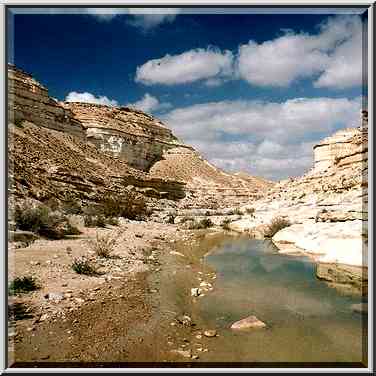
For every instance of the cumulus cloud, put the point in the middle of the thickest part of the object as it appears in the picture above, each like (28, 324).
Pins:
(269, 139)
(190, 66)
(86, 97)
(149, 104)
(334, 55)
(148, 19)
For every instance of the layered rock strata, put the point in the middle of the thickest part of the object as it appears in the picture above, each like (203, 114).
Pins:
(29, 100)
(126, 133)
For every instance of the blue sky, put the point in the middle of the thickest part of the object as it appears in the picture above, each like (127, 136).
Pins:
(251, 92)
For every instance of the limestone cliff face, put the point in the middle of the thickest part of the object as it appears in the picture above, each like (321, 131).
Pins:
(129, 134)
(327, 206)
(29, 100)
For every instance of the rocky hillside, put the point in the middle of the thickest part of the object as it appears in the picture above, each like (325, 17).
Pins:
(83, 150)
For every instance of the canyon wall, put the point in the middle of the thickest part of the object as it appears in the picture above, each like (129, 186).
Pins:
(126, 133)
(29, 100)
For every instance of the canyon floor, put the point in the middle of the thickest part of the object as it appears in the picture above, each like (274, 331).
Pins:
(77, 320)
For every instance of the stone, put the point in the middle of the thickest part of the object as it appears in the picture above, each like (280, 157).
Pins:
(195, 292)
(183, 353)
(210, 333)
(176, 253)
(360, 308)
(185, 320)
(248, 323)
(55, 296)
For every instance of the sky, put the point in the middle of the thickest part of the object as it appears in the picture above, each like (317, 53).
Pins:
(250, 91)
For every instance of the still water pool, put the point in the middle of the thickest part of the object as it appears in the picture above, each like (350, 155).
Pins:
(308, 321)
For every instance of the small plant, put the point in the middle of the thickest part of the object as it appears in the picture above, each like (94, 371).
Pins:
(237, 211)
(204, 223)
(186, 219)
(104, 245)
(170, 219)
(250, 211)
(23, 284)
(71, 206)
(84, 266)
(94, 221)
(18, 122)
(225, 224)
(41, 220)
(113, 221)
(277, 224)
(72, 230)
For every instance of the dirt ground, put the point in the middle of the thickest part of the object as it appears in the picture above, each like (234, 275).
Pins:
(115, 319)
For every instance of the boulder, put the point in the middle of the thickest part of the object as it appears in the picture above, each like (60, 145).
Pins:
(249, 322)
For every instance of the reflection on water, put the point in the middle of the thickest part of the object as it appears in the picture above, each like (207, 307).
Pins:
(307, 320)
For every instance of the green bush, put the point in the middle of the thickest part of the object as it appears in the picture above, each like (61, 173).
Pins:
(277, 224)
(23, 284)
(84, 266)
(113, 221)
(71, 206)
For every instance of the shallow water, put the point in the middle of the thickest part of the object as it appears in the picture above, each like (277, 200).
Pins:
(307, 320)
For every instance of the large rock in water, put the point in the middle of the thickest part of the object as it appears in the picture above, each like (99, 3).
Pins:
(248, 323)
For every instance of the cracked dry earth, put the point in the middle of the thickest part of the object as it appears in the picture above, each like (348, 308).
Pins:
(129, 315)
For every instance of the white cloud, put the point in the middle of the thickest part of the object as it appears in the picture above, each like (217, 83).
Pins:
(86, 97)
(334, 54)
(276, 139)
(187, 67)
(149, 104)
(105, 14)
(148, 19)
(144, 18)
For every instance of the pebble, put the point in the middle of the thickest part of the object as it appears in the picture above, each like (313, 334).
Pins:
(210, 333)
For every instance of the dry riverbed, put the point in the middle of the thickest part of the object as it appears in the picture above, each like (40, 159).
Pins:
(138, 309)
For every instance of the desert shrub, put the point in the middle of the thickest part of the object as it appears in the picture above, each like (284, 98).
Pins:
(130, 205)
(186, 219)
(103, 245)
(52, 203)
(236, 211)
(71, 206)
(225, 224)
(41, 220)
(23, 284)
(113, 221)
(202, 224)
(84, 266)
(250, 211)
(72, 230)
(170, 219)
(18, 122)
(277, 224)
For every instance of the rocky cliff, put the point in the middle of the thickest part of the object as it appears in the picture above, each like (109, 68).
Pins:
(327, 207)
(60, 149)
(29, 100)
(128, 134)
